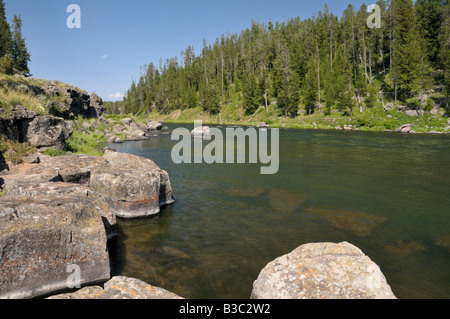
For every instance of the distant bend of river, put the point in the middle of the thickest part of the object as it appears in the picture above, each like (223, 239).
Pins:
(386, 193)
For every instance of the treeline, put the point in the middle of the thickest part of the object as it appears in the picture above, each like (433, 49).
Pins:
(14, 55)
(322, 63)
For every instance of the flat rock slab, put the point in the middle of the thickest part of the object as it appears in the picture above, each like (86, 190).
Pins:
(40, 237)
(120, 287)
(67, 168)
(322, 271)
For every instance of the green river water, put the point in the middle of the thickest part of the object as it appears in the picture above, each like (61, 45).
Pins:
(386, 193)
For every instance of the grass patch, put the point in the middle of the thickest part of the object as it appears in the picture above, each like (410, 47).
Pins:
(86, 143)
(15, 151)
(9, 98)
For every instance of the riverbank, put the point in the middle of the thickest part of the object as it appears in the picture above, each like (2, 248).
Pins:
(375, 119)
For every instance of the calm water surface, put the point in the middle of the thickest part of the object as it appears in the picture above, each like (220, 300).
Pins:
(388, 194)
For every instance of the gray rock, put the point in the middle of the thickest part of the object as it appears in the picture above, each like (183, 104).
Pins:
(59, 176)
(153, 126)
(48, 131)
(133, 186)
(86, 125)
(414, 112)
(262, 125)
(96, 107)
(41, 236)
(201, 132)
(22, 113)
(120, 287)
(31, 159)
(81, 104)
(404, 128)
(126, 121)
(118, 129)
(348, 127)
(322, 271)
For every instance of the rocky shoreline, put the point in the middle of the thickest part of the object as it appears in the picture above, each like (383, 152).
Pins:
(62, 211)
(58, 215)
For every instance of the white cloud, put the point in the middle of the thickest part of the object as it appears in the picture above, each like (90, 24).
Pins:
(116, 96)
(104, 56)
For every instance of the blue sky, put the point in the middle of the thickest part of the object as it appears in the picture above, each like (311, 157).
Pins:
(117, 37)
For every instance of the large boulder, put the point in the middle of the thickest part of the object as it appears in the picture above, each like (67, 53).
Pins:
(67, 175)
(133, 186)
(120, 287)
(42, 237)
(47, 131)
(322, 271)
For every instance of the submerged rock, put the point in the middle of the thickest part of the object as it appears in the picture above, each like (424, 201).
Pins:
(361, 224)
(404, 248)
(120, 287)
(285, 201)
(132, 185)
(322, 271)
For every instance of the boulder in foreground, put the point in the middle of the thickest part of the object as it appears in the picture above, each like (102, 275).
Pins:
(120, 287)
(322, 271)
(42, 236)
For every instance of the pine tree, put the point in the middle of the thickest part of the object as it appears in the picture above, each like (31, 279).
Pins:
(310, 87)
(429, 15)
(5, 42)
(19, 53)
(444, 56)
(250, 94)
(5, 32)
(406, 46)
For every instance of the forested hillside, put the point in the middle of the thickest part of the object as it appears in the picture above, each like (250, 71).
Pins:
(325, 64)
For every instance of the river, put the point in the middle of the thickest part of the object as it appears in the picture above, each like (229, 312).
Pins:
(386, 193)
